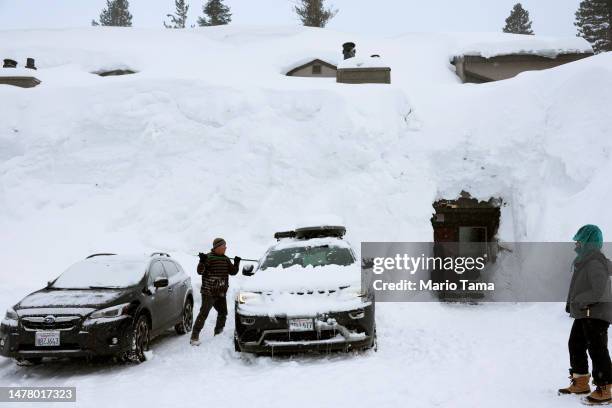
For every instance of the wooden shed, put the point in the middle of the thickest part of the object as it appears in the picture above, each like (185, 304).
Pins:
(477, 69)
(370, 70)
(316, 68)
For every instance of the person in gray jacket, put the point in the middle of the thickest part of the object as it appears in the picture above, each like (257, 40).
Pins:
(589, 302)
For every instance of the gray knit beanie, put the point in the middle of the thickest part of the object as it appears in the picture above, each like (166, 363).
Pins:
(218, 242)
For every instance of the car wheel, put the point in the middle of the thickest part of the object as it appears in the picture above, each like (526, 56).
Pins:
(140, 340)
(187, 319)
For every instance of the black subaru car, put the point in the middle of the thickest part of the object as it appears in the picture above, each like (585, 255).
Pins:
(105, 305)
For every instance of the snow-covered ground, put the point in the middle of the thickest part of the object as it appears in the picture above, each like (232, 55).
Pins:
(429, 355)
(210, 139)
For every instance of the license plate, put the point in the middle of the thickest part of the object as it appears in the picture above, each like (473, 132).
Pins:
(301, 325)
(47, 338)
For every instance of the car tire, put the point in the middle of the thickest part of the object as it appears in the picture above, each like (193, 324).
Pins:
(141, 335)
(186, 323)
(374, 345)
(236, 346)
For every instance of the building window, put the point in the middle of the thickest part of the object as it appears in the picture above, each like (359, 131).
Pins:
(316, 70)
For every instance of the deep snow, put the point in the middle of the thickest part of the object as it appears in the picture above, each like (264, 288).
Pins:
(210, 139)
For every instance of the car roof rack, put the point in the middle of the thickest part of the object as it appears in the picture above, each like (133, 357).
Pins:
(160, 254)
(284, 234)
(102, 254)
(323, 231)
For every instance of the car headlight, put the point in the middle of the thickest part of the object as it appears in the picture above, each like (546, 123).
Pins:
(114, 311)
(248, 297)
(11, 314)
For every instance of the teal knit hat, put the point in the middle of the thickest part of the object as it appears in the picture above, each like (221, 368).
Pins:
(590, 238)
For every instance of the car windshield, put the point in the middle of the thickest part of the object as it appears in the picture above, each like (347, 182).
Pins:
(308, 256)
(93, 274)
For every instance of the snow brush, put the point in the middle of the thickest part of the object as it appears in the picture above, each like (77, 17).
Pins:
(242, 259)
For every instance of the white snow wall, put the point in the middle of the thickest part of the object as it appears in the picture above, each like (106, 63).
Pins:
(210, 139)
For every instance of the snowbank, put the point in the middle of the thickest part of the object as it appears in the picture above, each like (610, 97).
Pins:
(201, 143)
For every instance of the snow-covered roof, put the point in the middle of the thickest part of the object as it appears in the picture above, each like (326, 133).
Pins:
(301, 62)
(17, 72)
(363, 62)
(496, 44)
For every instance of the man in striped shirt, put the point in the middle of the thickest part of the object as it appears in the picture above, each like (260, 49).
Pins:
(215, 269)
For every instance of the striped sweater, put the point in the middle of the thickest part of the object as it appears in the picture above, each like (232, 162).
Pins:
(215, 273)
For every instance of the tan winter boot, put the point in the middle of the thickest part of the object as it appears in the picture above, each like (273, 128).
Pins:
(601, 394)
(579, 384)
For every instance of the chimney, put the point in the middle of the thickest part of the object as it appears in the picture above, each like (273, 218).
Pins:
(348, 50)
(30, 63)
(9, 63)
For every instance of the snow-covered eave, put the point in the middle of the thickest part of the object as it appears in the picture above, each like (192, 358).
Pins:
(502, 44)
(552, 54)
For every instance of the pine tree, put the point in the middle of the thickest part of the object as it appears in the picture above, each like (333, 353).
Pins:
(518, 22)
(594, 23)
(216, 13)
(313, 13)
(115, 14)
(178, 20)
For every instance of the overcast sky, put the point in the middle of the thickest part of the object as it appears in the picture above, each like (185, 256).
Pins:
(377, 17)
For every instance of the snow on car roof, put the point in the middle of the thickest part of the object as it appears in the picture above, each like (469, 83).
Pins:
(296, 243)
(105, 271)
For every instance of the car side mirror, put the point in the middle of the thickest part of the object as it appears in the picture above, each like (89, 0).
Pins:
(247, 270)
(160, 282)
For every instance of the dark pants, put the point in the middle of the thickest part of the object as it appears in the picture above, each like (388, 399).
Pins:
(208, 302)
(590, 335)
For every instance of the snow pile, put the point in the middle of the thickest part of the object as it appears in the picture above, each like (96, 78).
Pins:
(291, 304)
